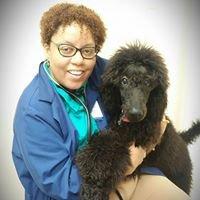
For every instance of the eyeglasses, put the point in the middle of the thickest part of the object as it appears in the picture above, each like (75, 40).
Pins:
(67, 50)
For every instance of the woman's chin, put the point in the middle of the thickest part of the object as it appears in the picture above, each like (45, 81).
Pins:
(73, 85)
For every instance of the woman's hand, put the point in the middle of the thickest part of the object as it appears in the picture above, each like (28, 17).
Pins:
(163, 125)
(127, 186)
(137, 155)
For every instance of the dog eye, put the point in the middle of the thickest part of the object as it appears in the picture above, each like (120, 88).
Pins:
(124, 80)
(147, 82)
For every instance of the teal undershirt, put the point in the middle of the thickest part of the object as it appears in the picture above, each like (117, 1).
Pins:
(76, 111)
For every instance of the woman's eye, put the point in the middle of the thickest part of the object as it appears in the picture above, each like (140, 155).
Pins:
(67, 49)
(124, 80)
(88, 51)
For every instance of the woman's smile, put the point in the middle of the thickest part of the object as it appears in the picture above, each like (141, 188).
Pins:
(76, 73)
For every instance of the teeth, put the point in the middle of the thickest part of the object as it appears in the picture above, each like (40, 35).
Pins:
(75, 72)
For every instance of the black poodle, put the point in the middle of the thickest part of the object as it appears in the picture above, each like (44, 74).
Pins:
(134, 91)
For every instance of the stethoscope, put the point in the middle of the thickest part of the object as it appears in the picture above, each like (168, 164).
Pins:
(50, 75)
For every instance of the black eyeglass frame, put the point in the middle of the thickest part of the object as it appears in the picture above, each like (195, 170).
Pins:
(77, 49)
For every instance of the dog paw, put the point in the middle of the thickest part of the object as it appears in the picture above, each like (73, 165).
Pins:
(91, 192)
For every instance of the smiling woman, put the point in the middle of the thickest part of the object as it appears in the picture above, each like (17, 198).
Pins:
(53, 117)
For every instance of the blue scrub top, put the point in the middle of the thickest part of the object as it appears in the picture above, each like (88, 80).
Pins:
(45, 140)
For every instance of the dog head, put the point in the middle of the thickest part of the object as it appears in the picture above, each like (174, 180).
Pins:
(135, 83)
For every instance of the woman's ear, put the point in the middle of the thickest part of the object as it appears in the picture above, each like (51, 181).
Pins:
(46, 49)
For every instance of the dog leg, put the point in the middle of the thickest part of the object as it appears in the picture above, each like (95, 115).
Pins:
(102, 163)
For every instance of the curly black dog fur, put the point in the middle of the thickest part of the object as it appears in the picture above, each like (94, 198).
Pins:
(134, 91)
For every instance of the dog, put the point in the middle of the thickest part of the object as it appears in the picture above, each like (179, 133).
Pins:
(134, 92)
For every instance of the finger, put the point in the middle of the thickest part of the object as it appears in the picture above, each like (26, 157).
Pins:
(164, 119)
(163, 124)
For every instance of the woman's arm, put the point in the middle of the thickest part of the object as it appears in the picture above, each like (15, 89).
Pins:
(46, 156)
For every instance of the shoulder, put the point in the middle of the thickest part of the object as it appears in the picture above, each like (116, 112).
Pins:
(30, 93)
(95, 78)
(38, 95)
(101, 62)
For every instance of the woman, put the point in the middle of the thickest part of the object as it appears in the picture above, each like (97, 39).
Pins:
(55, 112)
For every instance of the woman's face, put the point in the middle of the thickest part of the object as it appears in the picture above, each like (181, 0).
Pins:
(70, 72)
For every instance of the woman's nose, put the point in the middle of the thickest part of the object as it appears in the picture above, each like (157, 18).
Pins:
(77, 58)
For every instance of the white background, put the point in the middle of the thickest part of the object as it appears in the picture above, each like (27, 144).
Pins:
(171, 27)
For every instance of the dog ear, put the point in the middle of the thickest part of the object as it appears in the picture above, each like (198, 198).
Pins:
(111, 99)
(110, 90)
(157, 104)
(163, 79)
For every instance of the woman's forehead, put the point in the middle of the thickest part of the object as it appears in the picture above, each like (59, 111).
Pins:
(72, 33)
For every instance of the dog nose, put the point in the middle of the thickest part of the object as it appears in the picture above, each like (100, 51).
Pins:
(136, 113)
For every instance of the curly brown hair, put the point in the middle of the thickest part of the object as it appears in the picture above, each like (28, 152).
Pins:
(64, 14)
